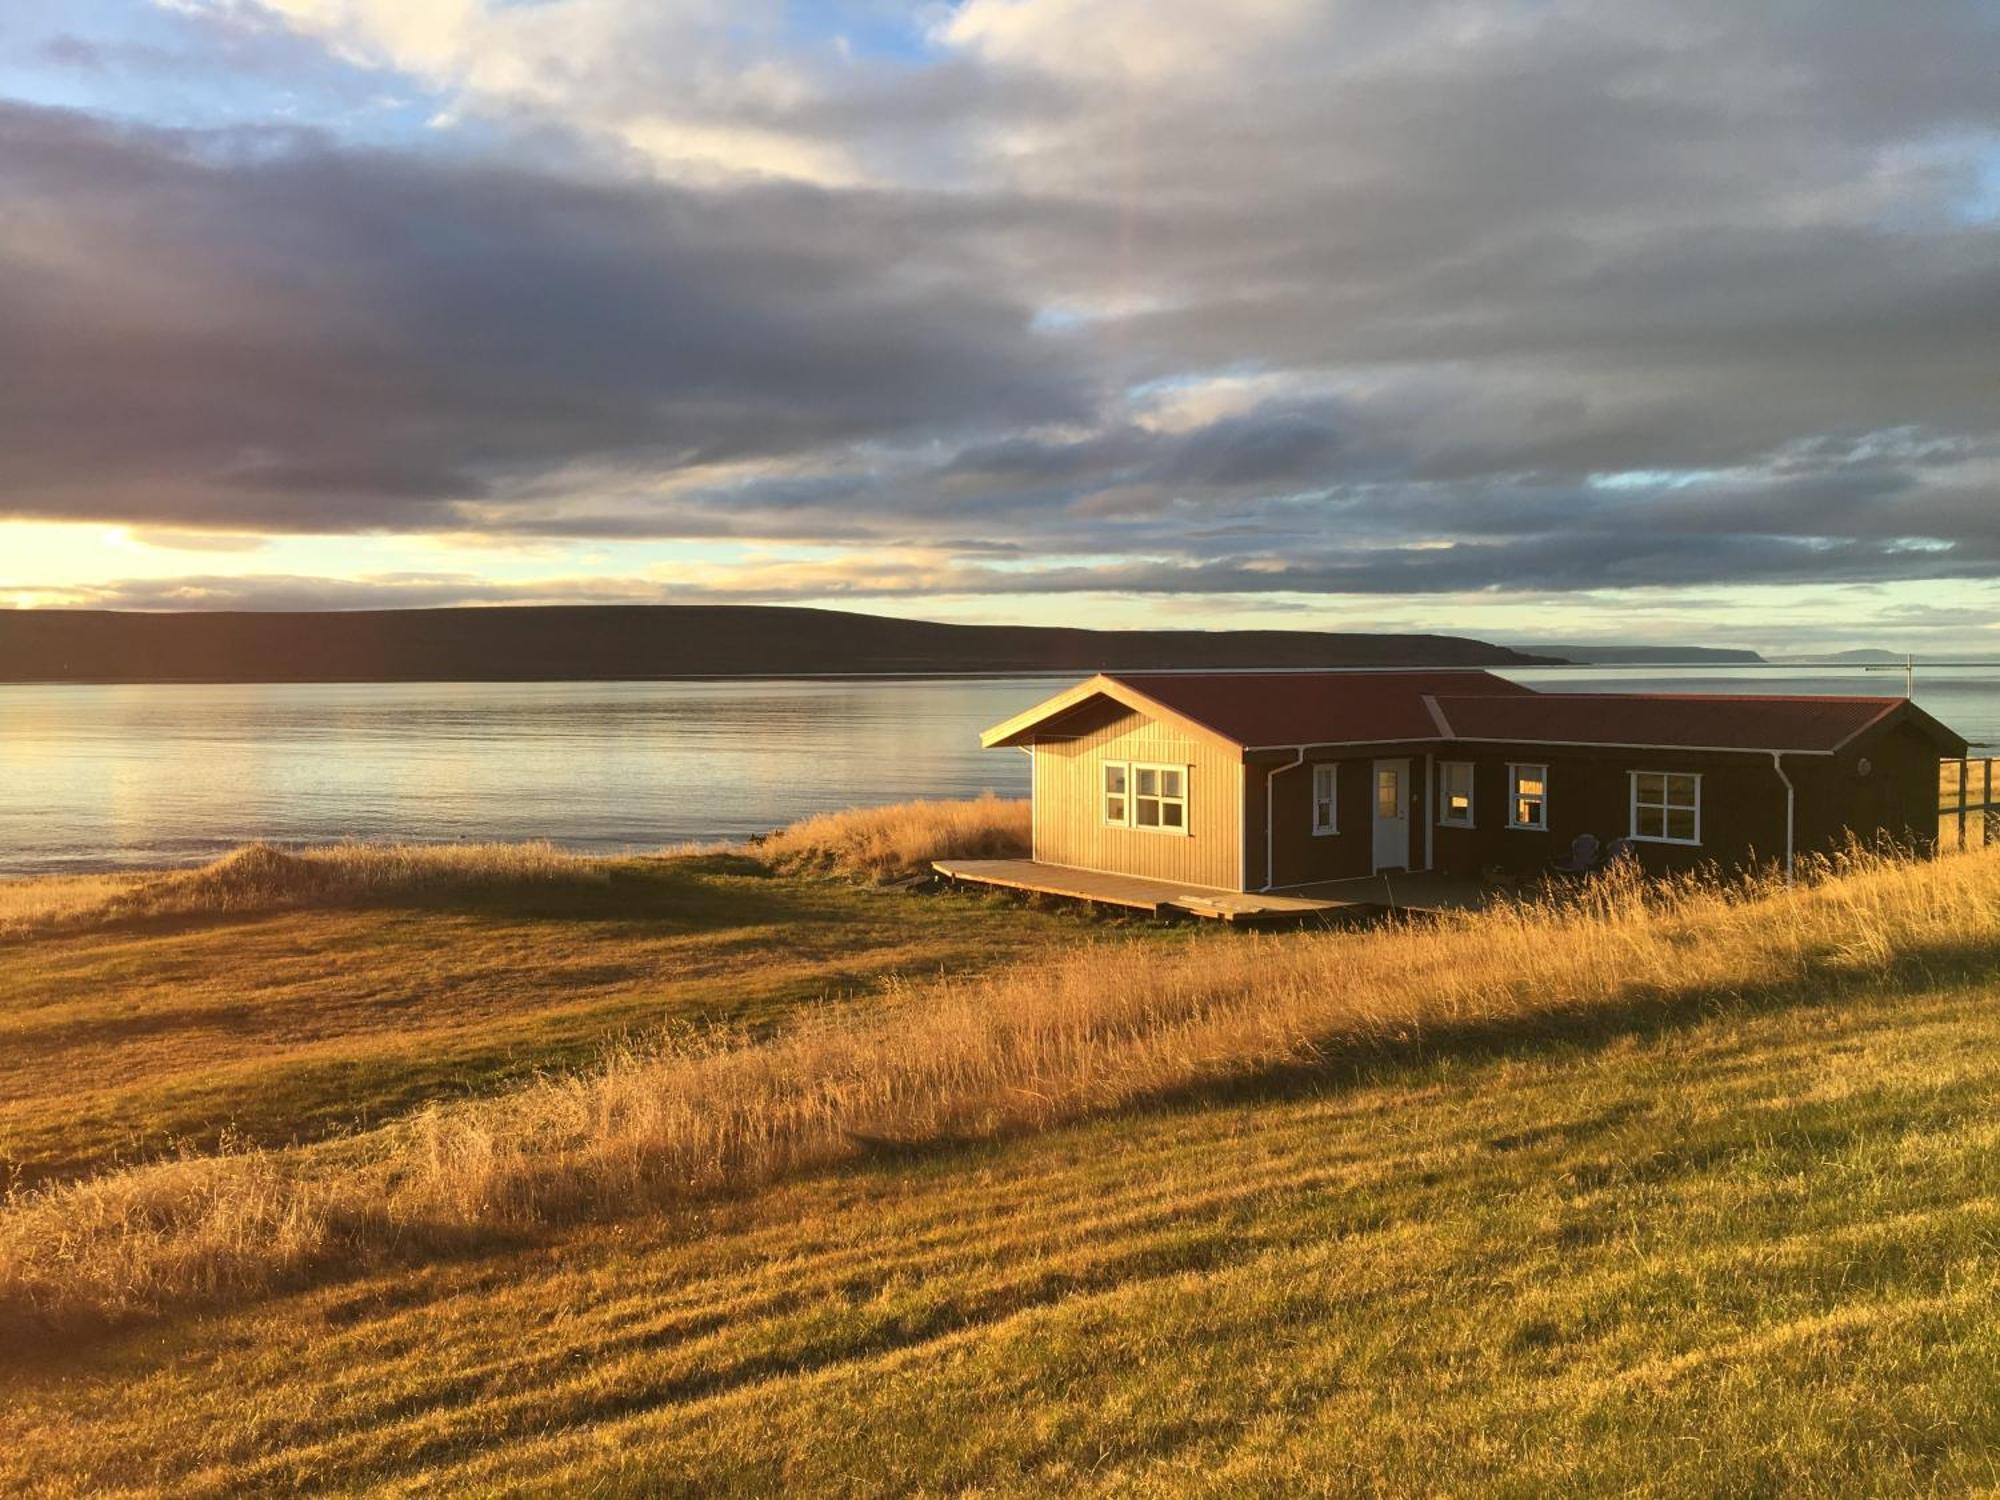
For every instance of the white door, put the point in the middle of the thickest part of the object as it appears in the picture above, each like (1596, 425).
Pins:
(1392, 815)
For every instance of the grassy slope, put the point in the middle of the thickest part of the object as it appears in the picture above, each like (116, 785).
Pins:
(1730, 1233)
(1747, 1254)
(291, 1024)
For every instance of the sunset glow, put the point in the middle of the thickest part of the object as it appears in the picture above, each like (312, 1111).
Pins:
(953, 310)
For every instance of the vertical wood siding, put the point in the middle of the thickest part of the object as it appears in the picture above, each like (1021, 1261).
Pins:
(1302, 856)
(1742, 812)
(1069, 820)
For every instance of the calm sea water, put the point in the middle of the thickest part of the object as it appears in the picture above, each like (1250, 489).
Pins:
(92, 777)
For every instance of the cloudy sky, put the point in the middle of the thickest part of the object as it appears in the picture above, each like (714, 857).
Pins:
(1536, 319)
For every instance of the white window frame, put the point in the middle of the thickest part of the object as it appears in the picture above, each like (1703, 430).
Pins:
(1401, 780)
(1186, 775)
(1132, 768)
(1665, 807)
(1331, 771)
(1105, 794)
(1445, 819)
(1514, 779)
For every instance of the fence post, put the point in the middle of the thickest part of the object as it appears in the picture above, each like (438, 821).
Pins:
(1991, 815)
(1964, 766)
(1943, 806)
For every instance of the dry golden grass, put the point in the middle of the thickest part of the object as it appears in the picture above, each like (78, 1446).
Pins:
(290, 995)
(1096, 1029)
(45, 902)
(262, 877)
(873, 843)
(1744, 1253)
(888, 843)
(121, 1043)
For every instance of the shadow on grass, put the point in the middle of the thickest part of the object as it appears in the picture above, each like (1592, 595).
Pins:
(1343, 1061)
(689, 893)
(362, 1246)
(1347, 1061)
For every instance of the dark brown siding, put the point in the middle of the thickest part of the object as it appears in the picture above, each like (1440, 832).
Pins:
(1590, 791)
(1743, 803)
(1895, 798)
(1302, 856)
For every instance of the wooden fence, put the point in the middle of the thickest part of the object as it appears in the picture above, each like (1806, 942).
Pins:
(1968, 817)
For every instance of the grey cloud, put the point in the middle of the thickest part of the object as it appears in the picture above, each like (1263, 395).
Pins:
(1743, 246)
(313, 340)
(1555, 567)
(73, 52)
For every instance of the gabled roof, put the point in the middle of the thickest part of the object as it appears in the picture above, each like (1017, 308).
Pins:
(1684, 721)
(1268, 710)
(1284, 710)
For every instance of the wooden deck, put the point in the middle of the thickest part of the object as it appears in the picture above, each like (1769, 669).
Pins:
(1377, 893)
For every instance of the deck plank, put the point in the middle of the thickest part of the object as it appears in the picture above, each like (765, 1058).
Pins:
(1415, 893)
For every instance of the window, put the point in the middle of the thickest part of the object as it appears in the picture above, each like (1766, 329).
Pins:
(1666, 807)
(1455, 793)
(1159, 798)
(1115, 806)
(1150, 797)
(1527, 796)
(1326, 799)
(1388, 792)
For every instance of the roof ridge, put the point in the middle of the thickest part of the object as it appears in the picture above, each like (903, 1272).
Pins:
(1718, 697)
(1890, 706)
(1355, 671)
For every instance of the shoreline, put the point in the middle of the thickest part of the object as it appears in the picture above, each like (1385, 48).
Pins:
(995, 674)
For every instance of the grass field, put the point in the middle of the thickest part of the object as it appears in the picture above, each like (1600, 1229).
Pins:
(1667, 1215)
(117, 1043)
(138, 1016)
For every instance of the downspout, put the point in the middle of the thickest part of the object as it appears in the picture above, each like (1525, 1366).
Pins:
(1243, 826)
(1791, 800)
(1034, 836)
(1430, 813)
(1270, 778)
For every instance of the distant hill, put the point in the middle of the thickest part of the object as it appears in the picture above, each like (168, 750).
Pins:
(1868, 655)
(1649, 656)
(609, 642)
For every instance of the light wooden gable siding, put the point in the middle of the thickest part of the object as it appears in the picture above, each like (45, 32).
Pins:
(1069, 820)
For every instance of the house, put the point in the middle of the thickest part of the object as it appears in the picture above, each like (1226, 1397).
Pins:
(1269, 781)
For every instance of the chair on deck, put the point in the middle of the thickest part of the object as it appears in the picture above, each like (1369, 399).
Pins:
(1581, 859)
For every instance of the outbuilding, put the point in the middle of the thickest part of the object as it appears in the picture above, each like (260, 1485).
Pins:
(1273, 781)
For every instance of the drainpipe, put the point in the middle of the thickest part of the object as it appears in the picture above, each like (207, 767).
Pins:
(1270, 779)
(1034, 837)
(1791, 799)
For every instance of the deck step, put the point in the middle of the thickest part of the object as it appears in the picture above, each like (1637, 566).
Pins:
(1225, 907)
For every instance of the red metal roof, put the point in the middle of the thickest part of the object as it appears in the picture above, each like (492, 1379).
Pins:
(1313, 708)
(1687, 721)
(1279, 710)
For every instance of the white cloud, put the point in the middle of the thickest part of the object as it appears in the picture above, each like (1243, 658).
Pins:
(670, 81)
(1151, 41)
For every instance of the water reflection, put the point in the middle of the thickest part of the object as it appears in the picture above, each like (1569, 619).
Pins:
(95, 775)
(91, 776)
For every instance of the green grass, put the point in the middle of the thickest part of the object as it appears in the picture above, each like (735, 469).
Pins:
(120, 1042)
(1753, 1254)
(1710, 1206)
